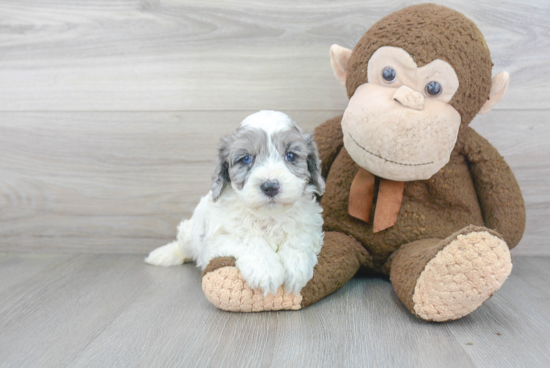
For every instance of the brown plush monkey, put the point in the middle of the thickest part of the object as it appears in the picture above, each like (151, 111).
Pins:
(412, 191)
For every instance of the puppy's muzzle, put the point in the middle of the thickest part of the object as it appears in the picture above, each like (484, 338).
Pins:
(270, 188)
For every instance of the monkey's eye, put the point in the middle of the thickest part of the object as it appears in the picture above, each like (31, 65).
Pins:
(433, 89)
(247, 160)
(389, 74)
(291, 156)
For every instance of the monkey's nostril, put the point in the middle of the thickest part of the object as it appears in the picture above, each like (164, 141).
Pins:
(409, 98)
(270, 188)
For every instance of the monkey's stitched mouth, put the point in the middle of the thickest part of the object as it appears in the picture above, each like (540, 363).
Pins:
(385, 159)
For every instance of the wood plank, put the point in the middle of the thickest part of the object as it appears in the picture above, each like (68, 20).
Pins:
(17, 267)
(230, 55)
(121, 182)
(62, 309)
(365, 322)
(113, 310)
(343, 330)
(517, 312)
(107, 182)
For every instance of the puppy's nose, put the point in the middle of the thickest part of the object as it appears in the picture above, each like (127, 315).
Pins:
(270, 188)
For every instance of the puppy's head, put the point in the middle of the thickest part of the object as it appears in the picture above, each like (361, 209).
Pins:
(268, 160)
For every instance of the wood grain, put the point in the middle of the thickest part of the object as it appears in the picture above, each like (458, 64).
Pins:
(61, 309)
(107, 182)
(135, 55)
(121, 182)
(113, 310)
(16, 267)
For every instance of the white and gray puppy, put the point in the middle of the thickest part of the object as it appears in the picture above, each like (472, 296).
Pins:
(262, 208)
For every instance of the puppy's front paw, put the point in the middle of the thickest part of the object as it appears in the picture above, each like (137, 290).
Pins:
(264, 274)
(298, 268)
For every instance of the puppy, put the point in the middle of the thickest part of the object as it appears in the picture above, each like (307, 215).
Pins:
(262, 208)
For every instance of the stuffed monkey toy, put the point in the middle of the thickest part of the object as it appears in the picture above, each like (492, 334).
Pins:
(411, 191)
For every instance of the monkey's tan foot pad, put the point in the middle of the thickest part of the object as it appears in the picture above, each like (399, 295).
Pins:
(227, 290)
(461, 276)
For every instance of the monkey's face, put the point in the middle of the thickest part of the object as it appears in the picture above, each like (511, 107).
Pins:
(400, 125)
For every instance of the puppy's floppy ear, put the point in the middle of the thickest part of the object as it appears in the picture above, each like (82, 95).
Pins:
(314, 166)
(220, 176)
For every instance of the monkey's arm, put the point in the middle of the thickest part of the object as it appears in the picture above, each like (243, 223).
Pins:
(330, 140)
(497, 190)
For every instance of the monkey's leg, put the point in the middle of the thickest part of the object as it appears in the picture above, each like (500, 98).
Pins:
(443, 280)
(340, 258)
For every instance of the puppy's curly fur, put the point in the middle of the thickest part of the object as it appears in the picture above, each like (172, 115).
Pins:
(262, 208)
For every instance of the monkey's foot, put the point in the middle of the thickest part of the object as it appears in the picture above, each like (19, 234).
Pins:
(462, 275)
(224, 286)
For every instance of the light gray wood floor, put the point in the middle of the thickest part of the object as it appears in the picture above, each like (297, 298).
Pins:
(94, 310)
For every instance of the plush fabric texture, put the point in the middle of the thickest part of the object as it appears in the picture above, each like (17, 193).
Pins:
(224, 286)
(433, 208)
(475, 188)
(462, 275)
(339, 260)
(378, 131)
(448, 250)
(497, 190)
(430, 211)
(330, 140)
(413, 77)
(219, 262)
(409, 98)
(442, 280)
(428, 32)
(409, 264)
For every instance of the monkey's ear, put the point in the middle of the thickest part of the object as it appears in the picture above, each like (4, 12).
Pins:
(499, 85)
(339, 59)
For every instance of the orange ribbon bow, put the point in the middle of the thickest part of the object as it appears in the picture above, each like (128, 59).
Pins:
(361, 195)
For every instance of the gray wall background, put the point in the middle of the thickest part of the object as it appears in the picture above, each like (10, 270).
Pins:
(110, 110)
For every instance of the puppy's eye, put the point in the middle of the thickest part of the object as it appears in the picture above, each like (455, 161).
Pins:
(247, 160)
(291, 156)
(433, 89)
(389, 74)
